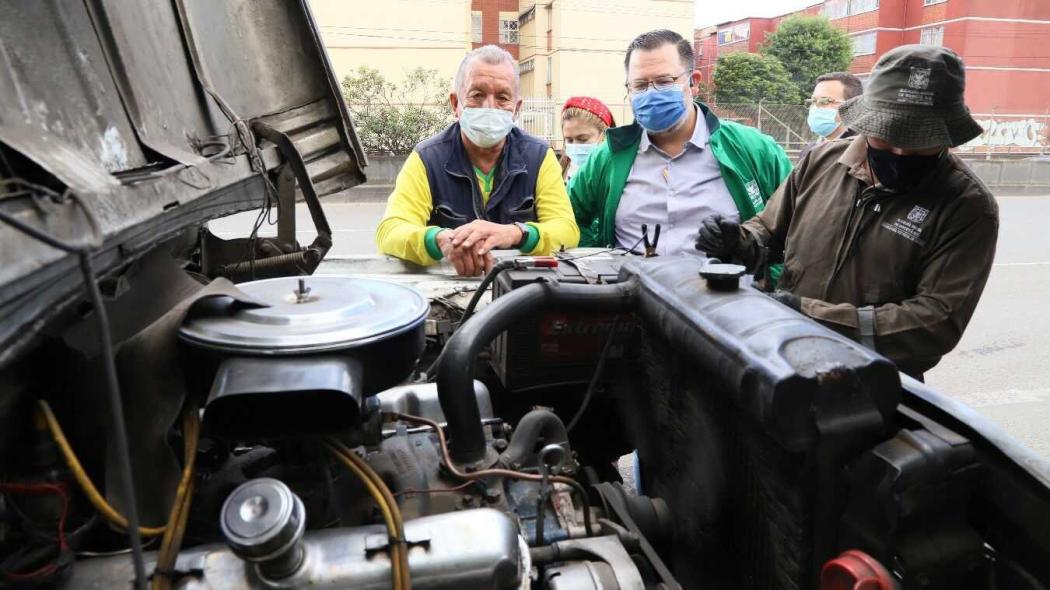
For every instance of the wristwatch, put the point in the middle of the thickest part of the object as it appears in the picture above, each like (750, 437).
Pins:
(524, 234)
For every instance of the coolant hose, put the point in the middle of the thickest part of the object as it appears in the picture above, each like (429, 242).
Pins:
(455, 376)
(530, 429)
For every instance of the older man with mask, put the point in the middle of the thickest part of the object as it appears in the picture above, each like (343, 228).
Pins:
(886, 237)
(676, 164)
(481, 184)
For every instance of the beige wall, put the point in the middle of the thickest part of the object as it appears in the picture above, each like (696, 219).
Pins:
(588, 42)
(394, 36)
(592, 38)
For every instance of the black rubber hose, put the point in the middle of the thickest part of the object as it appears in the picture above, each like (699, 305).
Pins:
(530, 429)
(500, 266)
(455, 375)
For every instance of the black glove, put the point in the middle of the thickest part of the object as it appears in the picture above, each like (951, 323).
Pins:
(787, 298)
(718, 237)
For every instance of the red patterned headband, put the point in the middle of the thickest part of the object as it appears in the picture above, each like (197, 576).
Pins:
(591, 105)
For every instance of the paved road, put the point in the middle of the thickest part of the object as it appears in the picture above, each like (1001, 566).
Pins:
(1002, 365)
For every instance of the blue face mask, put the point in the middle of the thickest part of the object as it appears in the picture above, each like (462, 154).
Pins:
(659, 110)
(822, 121)
(579, 152)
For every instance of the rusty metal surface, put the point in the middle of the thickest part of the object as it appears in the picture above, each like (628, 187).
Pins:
(102, 97)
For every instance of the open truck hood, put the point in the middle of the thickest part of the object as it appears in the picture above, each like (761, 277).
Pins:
(151, 113)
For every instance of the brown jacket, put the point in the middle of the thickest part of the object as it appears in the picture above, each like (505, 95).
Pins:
(914, 264)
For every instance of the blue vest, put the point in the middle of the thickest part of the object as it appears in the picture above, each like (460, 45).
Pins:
(454, 187)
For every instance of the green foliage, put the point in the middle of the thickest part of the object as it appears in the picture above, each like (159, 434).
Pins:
(809, 46)
(749, 78)
(392, 118)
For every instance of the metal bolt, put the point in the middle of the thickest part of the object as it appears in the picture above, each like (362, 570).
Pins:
(499, 444)
(493, 496)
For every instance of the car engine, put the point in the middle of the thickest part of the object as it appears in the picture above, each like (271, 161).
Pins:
(315, 465)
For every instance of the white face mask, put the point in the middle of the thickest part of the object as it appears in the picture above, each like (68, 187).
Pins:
(486, 127)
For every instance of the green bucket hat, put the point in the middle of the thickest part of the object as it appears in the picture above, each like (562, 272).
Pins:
(914, 100)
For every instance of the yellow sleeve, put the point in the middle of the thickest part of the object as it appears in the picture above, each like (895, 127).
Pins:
(403, 230)
(556, 223)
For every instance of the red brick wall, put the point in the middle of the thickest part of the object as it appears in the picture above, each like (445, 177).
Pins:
(1027, 9)
(858, 22)
(1006, 92)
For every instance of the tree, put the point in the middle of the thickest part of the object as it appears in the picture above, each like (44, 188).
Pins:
(392, 118)
(750, 78)
(809, 46)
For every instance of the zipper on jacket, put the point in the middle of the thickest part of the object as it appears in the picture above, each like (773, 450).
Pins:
(855, 228)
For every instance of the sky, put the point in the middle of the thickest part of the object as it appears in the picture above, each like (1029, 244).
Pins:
(713, 12)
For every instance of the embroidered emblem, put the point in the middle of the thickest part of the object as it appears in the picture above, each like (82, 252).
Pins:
(918, 214)
(918, 91)
(919, 78)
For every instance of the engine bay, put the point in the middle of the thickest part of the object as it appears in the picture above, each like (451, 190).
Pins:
(293, 439)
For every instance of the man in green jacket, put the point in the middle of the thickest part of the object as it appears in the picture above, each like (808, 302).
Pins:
(676, 164)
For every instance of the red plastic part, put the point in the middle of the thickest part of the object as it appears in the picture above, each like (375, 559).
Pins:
(545, 262)
(856, 570)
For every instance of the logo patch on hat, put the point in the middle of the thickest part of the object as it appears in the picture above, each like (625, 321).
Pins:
(918, 214)
(917, 91)
(919, 79)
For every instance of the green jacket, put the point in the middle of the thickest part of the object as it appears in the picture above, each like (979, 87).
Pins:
(753, 167)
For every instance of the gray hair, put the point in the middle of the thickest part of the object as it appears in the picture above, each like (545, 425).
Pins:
(493, 55)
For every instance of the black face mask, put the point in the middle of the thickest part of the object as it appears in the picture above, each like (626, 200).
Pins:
(899, 173)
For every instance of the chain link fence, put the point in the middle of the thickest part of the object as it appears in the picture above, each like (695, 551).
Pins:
(1005, 136)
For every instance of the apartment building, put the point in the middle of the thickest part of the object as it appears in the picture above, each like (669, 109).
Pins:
(1005, 43)
(576, 47)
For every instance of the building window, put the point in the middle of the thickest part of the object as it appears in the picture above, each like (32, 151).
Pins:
(527, 16)
(932, 36)
(932, 2)
(550, 70)
(859, 6)
(508, 32)
(834, 9)
(475, 27)
(740, 32)
(527, 66)
(864, 44)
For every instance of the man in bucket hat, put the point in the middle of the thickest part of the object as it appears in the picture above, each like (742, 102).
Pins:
(886, 237)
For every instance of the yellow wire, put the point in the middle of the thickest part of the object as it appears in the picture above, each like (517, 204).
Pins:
(93, 496)
(180, 508)
(395, 510)
(344, 456)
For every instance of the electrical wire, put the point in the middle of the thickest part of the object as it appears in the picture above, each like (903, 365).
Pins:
(593, 385)
(90, 491)
(446, 460)
(387, 505)
(53, 566)
(180, 508)
(490, 276)
(116, 409)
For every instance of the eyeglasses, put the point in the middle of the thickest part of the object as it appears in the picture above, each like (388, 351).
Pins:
(822, 101)
(659, 83)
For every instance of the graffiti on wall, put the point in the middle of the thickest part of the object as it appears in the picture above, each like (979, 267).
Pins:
(1012, 132)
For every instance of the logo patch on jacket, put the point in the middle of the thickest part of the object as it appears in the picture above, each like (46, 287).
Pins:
(918, 214)
(910, 228)
(755, 194)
